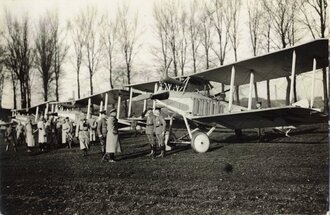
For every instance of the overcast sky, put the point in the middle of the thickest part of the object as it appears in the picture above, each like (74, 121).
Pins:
(144, 61)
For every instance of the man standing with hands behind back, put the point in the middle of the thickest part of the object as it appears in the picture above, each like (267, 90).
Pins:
(150, 129)
(160, 126)
(102, 130)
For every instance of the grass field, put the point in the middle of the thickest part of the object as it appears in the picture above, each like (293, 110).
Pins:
(283, 176)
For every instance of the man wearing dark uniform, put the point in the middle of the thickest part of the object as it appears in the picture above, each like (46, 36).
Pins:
(102, 130)
(150, 131)
(10, 137)
(20, 134)
(160, 126)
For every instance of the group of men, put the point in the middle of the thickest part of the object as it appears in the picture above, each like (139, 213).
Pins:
(54, 132)
(60, 132)
(106, 129)
(155, 127)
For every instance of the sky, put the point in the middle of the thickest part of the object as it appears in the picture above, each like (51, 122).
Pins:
(144, 62)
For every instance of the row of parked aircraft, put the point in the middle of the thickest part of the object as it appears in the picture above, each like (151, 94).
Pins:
(187, 100)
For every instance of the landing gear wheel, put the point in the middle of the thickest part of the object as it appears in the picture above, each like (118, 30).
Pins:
(200, 142)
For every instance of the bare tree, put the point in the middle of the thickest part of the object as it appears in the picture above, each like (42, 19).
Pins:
(19, 57)
(172, 31)
(92, 43)
(128, 35)
(233, 12)
(60, 53)
(206, 33)
(76, 25)
(183, 43)
(221, 25)
(45, 52)
(109, 40)
(317, 25)
(162, 33)
(282, 14)
(255, 18)
(193, 29)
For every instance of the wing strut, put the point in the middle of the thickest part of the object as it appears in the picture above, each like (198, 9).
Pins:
(130, 101)
(144, 105)
(37, 113)
(101, 107)
(118, 106)
(293, 73)
(88, 108)
(250, 91)
(232, 80)
(106, 102)
(313, 83)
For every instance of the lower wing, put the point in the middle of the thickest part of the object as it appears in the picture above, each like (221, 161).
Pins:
(263, 118)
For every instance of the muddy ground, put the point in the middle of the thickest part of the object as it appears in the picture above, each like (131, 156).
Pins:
(281, 175)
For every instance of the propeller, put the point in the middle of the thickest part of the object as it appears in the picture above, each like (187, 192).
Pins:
(160, 96)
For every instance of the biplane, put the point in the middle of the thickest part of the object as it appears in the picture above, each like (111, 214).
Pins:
(189, 98)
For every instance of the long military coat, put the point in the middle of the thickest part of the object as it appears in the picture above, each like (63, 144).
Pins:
(112, 143)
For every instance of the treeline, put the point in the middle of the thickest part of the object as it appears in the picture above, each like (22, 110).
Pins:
(189, 36)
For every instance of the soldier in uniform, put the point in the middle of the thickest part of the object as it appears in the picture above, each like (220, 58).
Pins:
(102, 130)
(92, 131)
(42, 136)
(10, 137)
(83, 134)
(29, 135)
(65, 131)
(112, 143)
(20, 133)
(260, 131)
(150, 131)
(160, 126)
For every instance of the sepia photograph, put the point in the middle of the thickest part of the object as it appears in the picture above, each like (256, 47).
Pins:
(164, 107)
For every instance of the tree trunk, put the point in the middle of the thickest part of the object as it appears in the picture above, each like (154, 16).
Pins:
(128, 74)
(14, 91)
(110, 75)
(78, 83)
(91, 82)
(56, 89)
(23, 95)
(45, 92)
(268, 94)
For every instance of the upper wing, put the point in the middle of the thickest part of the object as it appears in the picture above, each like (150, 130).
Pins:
(272, 65)
(145, 86)
(97, 98)
(262, 118)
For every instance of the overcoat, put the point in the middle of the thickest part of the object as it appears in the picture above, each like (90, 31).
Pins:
(41, 132)
(112, 143)
(29, 135)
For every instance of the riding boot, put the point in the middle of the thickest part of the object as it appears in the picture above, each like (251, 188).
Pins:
(162, 152)
(151, 151)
